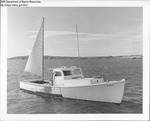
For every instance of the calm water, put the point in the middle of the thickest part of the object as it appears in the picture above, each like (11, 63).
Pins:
(19, 102)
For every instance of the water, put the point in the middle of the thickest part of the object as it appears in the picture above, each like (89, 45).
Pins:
(19, 102)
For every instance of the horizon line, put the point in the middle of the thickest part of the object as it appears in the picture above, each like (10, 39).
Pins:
(80, 56)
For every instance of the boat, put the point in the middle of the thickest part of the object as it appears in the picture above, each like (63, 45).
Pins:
(68, 82)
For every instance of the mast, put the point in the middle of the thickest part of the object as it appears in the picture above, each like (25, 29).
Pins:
(43, 52)
(78, 46)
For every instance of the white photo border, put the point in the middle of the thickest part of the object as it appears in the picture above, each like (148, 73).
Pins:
(146, 38)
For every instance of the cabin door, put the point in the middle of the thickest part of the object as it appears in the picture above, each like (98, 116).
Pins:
(58, 78)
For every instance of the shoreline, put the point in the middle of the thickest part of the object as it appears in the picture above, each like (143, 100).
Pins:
(90, 57)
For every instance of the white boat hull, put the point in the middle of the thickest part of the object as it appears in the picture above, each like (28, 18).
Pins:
(111, 91)
(39, 88)
(106, 92)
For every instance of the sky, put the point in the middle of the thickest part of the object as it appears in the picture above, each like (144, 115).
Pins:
(102, 31)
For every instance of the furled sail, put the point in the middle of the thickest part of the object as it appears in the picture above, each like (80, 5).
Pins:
(35, 61)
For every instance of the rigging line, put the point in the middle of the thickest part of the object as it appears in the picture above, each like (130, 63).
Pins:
(55, 54)
(58, 60)
(78, 46)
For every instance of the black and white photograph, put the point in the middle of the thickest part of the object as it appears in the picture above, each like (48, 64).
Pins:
(75, 60)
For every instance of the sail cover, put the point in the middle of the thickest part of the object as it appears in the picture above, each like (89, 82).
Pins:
(35, 61)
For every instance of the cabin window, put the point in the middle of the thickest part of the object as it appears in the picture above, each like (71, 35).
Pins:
(67, 73)
(77, 71)
(57, 73)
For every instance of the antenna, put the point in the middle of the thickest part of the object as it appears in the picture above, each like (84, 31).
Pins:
(43, 53)
(78, 46)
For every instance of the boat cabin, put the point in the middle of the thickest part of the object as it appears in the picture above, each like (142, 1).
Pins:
(64, 73)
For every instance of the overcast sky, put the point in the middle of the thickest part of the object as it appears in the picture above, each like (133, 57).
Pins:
(103, 31)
